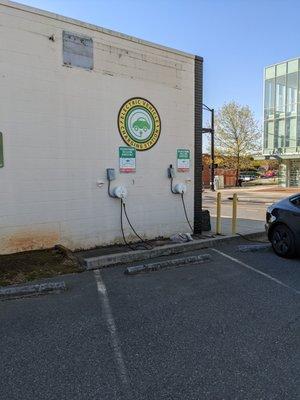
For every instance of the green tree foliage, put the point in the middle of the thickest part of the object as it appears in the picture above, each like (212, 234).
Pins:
(237, 136)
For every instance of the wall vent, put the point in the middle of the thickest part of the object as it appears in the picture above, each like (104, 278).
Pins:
(77, 51)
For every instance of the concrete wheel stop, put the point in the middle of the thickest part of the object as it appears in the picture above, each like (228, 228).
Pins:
(248, 248)
(156, 266)
(11, 292)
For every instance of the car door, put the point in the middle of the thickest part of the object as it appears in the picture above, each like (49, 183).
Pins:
(294, 220)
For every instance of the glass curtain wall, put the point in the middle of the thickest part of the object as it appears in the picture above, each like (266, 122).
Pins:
(269, 107)
(282, 107)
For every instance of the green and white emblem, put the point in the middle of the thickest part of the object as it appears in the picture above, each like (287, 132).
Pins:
(139, 123)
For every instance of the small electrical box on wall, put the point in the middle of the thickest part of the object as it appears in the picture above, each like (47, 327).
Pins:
(1, 151)
(111, 174)
(171, 172)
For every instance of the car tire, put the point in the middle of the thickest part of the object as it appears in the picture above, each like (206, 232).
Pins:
(283, 241)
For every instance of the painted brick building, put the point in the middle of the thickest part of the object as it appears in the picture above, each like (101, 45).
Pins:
(63, 84)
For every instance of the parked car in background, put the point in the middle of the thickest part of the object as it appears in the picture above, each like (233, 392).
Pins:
(283, 226)
(269, 174)
(247, 176)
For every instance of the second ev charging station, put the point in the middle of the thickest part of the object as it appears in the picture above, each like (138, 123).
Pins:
(179, 188)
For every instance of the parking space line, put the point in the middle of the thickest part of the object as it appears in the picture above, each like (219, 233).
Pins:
(111, 325)
(257, 271)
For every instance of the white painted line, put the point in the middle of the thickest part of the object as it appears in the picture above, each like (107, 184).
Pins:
(257, 271)
(112, 329)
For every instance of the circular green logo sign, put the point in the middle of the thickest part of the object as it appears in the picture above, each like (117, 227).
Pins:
(139, 123)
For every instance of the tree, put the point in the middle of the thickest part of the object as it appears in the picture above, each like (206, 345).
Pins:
(237, 136)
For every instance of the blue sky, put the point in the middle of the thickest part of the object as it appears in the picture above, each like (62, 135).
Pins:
(237, 38)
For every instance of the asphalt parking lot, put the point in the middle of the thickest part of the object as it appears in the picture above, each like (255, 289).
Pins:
(225, 329)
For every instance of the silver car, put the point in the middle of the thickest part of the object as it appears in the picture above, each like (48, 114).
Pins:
(283, 226)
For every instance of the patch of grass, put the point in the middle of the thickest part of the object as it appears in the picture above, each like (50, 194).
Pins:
(31, 265)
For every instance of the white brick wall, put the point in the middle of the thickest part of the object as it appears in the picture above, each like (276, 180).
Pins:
(60, 134)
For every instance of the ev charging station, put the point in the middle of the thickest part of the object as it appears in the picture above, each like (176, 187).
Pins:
(119, 192)
(139, 126)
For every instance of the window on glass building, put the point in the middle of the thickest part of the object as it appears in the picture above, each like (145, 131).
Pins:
(291, 93)
(269, 98)
(282, 106)
(269, 135)
(279, 134)
(280, 95)
(291, 130)
(298, 132)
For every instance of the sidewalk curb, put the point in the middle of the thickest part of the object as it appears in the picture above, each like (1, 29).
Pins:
(166, 250)
(26, 290)
(137, 269)
(253, 201)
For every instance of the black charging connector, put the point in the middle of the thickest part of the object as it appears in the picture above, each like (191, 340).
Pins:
(110, 174)
(171, 176)
(171, 172)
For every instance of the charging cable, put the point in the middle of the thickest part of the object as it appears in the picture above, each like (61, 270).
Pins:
(172, 190)
(179, 189)
(122, 228)
(120, 192)
(147, 244)
(185, 213)
(108, 190)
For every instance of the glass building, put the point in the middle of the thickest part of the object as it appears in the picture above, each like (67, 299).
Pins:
(282, 119)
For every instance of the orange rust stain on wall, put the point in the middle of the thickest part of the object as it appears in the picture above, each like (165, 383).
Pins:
(24, 241)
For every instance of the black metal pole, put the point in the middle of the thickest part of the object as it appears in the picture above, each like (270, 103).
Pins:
(212, 186)
(198, 146)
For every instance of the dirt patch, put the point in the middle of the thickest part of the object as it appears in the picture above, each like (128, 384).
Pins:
(31, 265)
(28, 240)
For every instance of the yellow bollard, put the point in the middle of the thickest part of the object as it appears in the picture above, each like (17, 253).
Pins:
(234, 212)
(218, 222)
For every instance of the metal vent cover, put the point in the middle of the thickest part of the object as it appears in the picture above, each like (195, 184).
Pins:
(77, 50)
